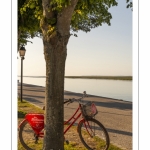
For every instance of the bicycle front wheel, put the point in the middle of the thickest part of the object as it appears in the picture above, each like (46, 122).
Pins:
(93, 135)
(28, 138)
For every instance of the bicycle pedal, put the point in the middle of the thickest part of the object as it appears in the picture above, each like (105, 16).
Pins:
(67, 142)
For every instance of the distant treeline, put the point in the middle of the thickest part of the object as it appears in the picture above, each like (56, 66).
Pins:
(92, 77)
(102, 77)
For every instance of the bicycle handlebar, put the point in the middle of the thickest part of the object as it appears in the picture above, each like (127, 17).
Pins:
(77, 100)
(73, 100)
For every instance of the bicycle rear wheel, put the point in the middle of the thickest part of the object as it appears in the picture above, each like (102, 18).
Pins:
(28, 138)
(93, 135)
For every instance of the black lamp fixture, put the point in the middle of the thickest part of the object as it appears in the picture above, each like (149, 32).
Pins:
(22, 51)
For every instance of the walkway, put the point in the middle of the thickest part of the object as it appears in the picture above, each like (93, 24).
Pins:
(115, 115)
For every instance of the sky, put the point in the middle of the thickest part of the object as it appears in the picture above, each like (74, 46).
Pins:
(106, 50)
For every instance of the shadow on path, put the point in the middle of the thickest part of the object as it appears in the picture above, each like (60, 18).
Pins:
(34, 90)
(106, 102)
(33, 100)
(112, 104)
(115, 104)
(115, 131)
(25, 95)
(119, 132)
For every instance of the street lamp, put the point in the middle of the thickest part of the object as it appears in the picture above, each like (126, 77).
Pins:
(22, 54)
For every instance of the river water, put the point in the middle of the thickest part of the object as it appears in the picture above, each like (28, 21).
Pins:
(118, 89)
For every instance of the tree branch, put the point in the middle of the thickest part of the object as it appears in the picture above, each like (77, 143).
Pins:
(64, 18)
(47, 9)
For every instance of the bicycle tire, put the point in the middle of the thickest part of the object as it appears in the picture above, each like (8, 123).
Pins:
(99, 141)
(27, 137)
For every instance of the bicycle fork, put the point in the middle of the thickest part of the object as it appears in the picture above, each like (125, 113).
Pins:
(88, 127)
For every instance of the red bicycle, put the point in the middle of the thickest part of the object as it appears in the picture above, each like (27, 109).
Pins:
(92, 133)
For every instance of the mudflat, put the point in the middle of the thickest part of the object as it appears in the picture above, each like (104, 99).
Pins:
(115, 115)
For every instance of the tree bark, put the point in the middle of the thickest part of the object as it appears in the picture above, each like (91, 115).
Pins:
(19, 33)
(55, 52)
(55, 56)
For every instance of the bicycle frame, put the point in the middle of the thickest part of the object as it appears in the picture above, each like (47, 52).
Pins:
(36, 121)
(86, 126)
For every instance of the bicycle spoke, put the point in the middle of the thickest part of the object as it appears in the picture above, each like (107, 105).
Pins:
(93, 135)
(29, 139)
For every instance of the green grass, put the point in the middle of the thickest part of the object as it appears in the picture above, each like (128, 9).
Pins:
(21, 114)
(25, 107)
(101, 143)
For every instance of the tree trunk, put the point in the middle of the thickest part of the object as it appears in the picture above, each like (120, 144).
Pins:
(55, 52)
(19, 33)
(55, 55)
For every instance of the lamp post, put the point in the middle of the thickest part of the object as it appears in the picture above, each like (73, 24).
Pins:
(22, 54)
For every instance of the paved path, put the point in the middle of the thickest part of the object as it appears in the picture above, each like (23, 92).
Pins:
(115, 115)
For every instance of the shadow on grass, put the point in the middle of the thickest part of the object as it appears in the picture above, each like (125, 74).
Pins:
(21, 114)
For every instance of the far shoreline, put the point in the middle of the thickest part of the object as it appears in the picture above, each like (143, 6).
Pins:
(102, 77)
(129, 78)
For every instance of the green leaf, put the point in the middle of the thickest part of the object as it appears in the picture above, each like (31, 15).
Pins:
(24, 8)
(32, 6)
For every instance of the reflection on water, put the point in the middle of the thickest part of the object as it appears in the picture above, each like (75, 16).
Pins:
(117, 89)
(107, 88)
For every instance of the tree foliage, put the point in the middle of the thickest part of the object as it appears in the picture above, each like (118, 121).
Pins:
(88, 14)
(129, 4)
(91, 14)
(28, 23)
